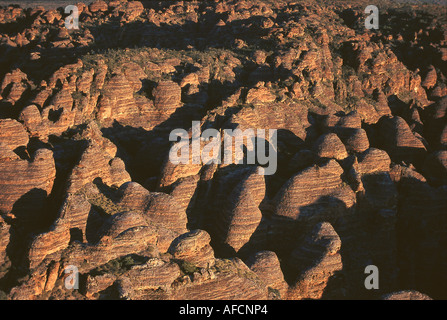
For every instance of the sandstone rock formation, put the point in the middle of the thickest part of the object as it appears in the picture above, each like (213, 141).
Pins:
(240, 214)
(194, 247)
(406, 295)
(359, 149)
(330, 146)
(12, 134)
(28, 180)
(267, 267)
(318, 260)
(95, 164)
(315, 193)
(399, 141)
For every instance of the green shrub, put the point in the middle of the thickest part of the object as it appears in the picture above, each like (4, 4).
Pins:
(120, 265)
(188, 267)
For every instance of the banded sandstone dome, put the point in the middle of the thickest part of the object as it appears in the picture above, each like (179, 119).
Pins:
(85, 176)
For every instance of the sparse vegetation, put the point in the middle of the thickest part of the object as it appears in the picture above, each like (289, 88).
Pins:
(188, 267)
(303, 66)
(120, 265)
(274, 293)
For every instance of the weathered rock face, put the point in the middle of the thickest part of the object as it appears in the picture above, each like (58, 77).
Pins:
(350, 120)
(267, 267)
(233, 209)
(330, 146)
(123, 234)
(355, 140)
(399, 141)
(93, 133)
(288, 117)
(131, 10)
(134, 75)
(260, 95)
(241, 215)
(194, 247)
(406, 295)
(38, 282)
(430, 78)
(98, 5)
(25, 184)
(348, 127)
(159, 207)
(75, 210)
(50, 242)
(184, 191)
(33, 122)
(142, 282)
(317, 261)
(86, 177)
(167, 97)
(373, 160)
(12, 134)
(117, 102)
(95, 164)
(316, 193)
(172, 173)
(222, 282)
(14, 85)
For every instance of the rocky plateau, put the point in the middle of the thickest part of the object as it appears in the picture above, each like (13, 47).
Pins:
(86, 179)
